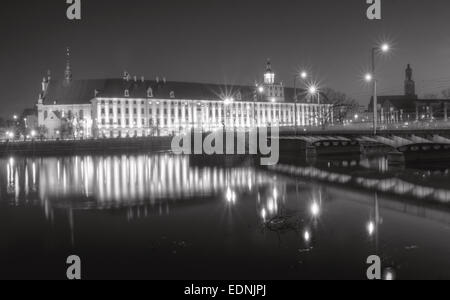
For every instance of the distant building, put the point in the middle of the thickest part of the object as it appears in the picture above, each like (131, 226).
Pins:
(409, 107)
(30, 119)
(132, 106)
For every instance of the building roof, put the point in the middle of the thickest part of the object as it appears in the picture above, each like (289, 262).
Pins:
(83, 91)
(74, 92)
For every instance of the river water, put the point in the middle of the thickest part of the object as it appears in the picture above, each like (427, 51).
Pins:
(159, 216)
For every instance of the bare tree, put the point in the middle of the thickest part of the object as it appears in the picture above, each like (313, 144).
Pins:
(341, 106)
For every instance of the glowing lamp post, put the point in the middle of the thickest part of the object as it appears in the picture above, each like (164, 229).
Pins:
(384, 48)
(313, 90)
(303, 75)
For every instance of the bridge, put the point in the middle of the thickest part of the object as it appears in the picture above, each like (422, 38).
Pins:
(417, 141)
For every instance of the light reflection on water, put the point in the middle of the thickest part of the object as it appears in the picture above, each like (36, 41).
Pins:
(279, 216)
(122, 180)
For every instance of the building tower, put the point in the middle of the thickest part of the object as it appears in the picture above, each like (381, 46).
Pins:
(269, 76)
(273, 92)
(410, 85)
(68, 71)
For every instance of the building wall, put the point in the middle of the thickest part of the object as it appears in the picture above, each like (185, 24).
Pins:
(122, 117)
(126, 117)
(52, 117)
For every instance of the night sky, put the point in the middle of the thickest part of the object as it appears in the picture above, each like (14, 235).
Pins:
(222, 41)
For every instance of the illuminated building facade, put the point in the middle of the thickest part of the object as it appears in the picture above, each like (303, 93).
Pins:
(135, 107)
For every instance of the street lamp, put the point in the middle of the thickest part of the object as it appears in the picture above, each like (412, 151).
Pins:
(261, 89)
(303, 75)
(384, 48)
(313, 90)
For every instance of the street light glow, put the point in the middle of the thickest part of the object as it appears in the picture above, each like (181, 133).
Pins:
(368, 77)
(229, 101)
(313, 89)
(304, 75)
(385, 47)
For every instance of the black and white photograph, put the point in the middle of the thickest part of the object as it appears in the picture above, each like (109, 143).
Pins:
(226, 147)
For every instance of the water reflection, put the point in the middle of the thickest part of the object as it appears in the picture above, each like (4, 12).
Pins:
(105, 182)
(377, 175)
(344, 205)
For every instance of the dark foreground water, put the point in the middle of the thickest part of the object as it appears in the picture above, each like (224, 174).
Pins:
(161, 217)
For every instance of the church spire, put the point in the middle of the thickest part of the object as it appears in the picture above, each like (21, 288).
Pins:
(68, 71)
(410, 85)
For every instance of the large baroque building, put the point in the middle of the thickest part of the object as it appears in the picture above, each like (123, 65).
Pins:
(132, 106)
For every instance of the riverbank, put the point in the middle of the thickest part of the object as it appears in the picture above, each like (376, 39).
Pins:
(90, 146)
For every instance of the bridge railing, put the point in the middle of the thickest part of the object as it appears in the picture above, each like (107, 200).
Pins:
(368, 127)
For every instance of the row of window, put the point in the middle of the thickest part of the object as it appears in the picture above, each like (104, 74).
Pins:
(217, 104)
(164, 121)
(210, 112)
